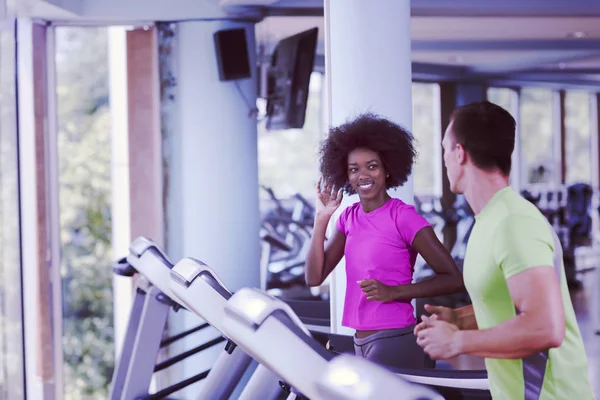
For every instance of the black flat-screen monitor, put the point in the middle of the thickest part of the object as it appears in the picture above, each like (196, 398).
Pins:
(288, 79)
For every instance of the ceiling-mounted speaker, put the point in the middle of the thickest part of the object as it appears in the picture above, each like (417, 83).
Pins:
(233, 61)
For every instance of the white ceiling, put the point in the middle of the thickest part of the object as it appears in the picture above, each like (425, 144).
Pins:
(493, 37)
(276, 28)
(455, 28)
(501, 28)
(450, 40)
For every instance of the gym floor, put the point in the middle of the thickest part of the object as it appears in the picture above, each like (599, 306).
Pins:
(582, 301)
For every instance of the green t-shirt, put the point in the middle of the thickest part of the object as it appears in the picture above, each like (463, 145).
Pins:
(509, 236)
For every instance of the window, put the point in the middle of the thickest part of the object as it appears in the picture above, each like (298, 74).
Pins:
(427, 171)
(288, 159)
(578, 139)
(12, 382)
(85, 211)
(509, 100)
(538, 164)
(504, 97)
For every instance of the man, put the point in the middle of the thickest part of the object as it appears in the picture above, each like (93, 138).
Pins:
(522, 319)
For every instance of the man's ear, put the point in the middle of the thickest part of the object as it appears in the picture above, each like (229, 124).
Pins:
(461, 154)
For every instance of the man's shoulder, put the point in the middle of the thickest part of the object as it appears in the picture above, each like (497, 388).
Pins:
(514, 230)
(518, 229)
(515, 212)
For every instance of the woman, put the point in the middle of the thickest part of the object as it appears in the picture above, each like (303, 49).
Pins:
(379, 236)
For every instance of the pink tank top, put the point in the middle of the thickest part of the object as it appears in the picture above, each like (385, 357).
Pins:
(378, 246)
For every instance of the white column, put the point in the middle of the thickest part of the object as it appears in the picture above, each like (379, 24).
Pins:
(121, 229)
(218, 192)
(368, 64)
(212, 169)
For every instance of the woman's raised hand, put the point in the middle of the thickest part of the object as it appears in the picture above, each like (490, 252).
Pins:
(328, 198)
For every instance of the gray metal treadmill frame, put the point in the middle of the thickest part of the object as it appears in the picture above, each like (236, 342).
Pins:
(135, 366)
(268, 330)
(199, 289)
(152, 302)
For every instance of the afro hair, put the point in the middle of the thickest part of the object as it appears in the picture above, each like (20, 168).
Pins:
(391, 142)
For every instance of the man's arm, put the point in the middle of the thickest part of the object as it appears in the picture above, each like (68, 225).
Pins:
(463, 318)
(540, 325)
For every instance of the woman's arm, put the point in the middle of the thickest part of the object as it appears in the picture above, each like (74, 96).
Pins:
(447, 279)
(322, 258)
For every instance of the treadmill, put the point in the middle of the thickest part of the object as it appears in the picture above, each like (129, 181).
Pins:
(198, 288)
(152, 302)
(270, 332)
(144, 335)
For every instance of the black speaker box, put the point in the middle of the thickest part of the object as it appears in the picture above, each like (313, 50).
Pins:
(232, 54)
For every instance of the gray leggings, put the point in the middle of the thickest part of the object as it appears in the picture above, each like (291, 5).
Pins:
(395, 348)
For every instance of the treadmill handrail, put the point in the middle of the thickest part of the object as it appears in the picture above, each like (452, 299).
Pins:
(197, 287)
(142, 243)
(148, 259)
(254, 306)
(188, 269)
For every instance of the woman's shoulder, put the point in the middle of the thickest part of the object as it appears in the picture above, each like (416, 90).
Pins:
(399, 205)
(402, 211)
(351, 209)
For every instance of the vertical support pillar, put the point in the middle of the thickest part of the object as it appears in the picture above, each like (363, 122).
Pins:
(146, 211)
(558, 137)
(447, 105)
(515, 175)
(136, 152)
(211, 168)
(452, 96)
(378, 81)
(145, 172)
(44, 315)
(120, 204)
(561, 139)
(35, 215)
